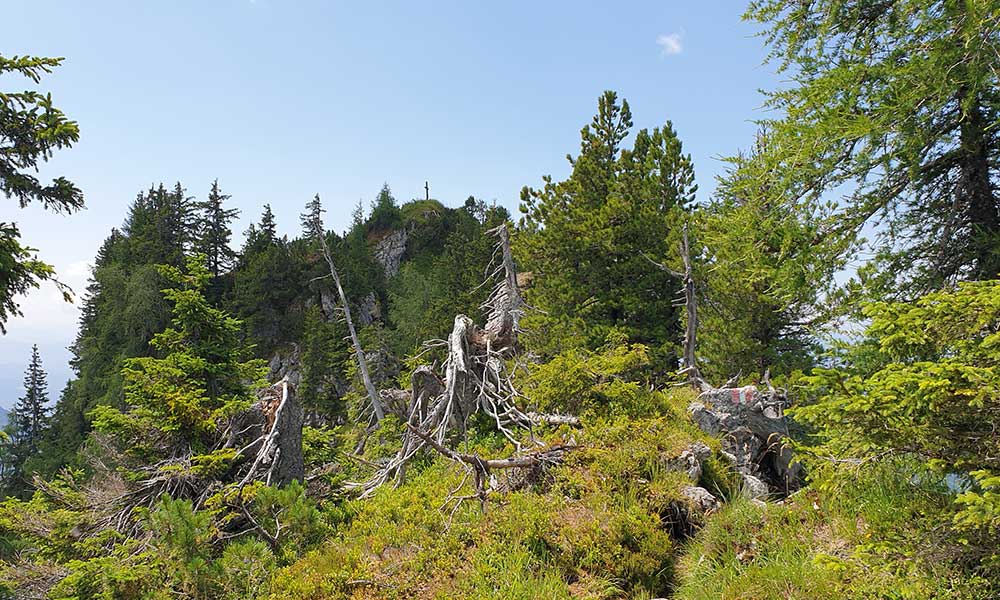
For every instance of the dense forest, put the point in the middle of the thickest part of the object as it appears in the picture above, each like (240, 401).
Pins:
(626, 390)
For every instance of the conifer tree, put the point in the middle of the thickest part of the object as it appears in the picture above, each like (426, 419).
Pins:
(895, 106)
(30, 416)
(761, 276)
(213, 233)
(268, 228)
(312, 224)
(266, 285)
(585, 237)
(202, 373)
(385, 214)
(323, 360)
(31, 129)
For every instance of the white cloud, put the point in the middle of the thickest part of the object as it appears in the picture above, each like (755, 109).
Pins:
(48, 321)
(670, 43)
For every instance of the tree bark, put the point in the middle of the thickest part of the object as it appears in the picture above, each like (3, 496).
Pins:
(976, 189)
(690, 364)
(358, 352)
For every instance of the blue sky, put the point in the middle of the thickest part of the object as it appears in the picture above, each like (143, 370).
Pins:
(280, 100)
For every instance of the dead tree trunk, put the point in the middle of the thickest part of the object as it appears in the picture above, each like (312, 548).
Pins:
(358, 352)
(476, 377)
(689, 359)
(690, 364)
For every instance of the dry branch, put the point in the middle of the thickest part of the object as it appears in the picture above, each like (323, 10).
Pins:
(476, 376)
(358, 351)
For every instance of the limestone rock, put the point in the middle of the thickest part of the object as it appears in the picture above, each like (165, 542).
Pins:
(701, 498)
(754, 487)
(691, 459)
(753, 427)
(390, 249)
(285, 365)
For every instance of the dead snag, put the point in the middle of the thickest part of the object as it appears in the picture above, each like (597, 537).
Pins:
(476, 375)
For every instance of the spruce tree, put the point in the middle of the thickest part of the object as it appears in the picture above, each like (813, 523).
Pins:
(213, 233)
(268, 228)
(31, 129)
(266, 284)
(201, 374)
(312, 220)
(30, 416)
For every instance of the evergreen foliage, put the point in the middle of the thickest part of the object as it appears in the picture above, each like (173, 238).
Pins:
(31, 130)
(763, 278)
(584, 239)
(894, 102)
(29, 422)
(213, 233)
(923, 384)
(201, 376)
(897, 102)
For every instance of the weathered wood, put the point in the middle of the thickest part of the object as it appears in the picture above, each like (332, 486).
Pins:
(279, 449)
(358, 351)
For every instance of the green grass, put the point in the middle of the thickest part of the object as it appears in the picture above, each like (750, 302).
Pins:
(859, 534)
(596, 527)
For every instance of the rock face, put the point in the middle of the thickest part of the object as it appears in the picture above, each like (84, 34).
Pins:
(753, 427)
(285, 365)
(364, 312)
(390, 249)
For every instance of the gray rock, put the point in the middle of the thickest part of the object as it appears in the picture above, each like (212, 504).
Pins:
(285, 364)
(754, 487)
(752, 423)
(701, 498)
(390, 249)
(705, 419)
(691, 459)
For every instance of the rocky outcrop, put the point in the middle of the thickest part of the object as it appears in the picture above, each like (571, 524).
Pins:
(285, 365)
(691, 459)
(366, 312)
(390, 249)
(753, 429)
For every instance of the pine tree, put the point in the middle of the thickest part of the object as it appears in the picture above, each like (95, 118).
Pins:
(30, 416)
(212, 230)
(585, 237)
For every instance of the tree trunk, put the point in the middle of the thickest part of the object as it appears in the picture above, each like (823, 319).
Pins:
(690, 364)
(975, 189)
(358, 352)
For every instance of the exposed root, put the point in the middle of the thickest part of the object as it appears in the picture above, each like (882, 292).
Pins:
(476, 379)
(482, 468)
